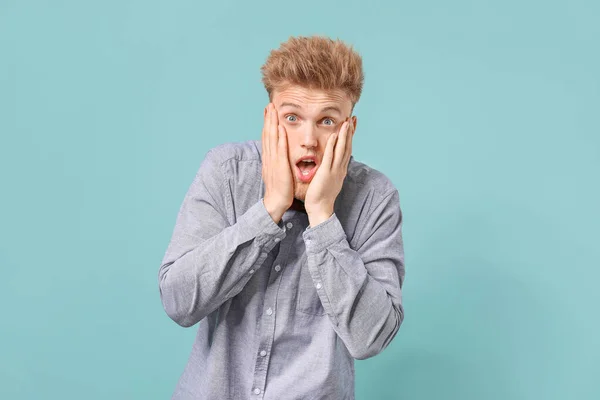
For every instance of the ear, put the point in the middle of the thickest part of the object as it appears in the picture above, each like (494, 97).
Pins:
(354, 121)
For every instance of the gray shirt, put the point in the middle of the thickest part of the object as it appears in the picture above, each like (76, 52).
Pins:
(283, 309)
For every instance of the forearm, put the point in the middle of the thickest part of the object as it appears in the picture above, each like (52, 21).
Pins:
(196, 278)
(360, 290)
(363, 314)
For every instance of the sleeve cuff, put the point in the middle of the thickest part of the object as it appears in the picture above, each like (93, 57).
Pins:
(319, 237)
(258, 220)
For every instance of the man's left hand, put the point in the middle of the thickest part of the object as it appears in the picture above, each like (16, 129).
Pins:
(329, 178)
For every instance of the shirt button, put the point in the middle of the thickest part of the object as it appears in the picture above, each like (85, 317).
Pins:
(269, 311)
(278, 268)
(263, 353)
(289, 225)
(318, 286)
(251, 271)
(256, 391)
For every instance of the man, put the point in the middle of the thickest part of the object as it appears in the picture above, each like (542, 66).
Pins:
(287, 250)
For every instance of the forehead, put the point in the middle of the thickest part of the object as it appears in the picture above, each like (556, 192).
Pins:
(311, 100)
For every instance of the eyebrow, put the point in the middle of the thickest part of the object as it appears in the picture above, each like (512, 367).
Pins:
(328, 108)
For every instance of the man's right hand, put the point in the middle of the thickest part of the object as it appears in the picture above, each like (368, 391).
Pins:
(276, 171)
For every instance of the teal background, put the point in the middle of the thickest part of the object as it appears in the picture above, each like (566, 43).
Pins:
(484, 114)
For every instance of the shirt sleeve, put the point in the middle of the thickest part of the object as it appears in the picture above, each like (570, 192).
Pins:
(208, 260)
(361, 289)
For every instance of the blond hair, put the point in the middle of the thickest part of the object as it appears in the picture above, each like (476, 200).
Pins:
(314, 62)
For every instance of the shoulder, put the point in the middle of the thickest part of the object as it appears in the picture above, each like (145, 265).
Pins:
(233, 152)
(368, 197)
(367, 179)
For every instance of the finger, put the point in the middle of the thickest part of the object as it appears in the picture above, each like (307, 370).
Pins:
(274, 130)
(266, 136)
(275, 114)
(282, 144)
(348, 152)
(340, 146)
(328, 156)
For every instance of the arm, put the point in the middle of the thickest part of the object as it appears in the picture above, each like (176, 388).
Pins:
(208, 261)
(361, 290)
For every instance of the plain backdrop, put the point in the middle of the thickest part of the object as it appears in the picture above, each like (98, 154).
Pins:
(484, 114)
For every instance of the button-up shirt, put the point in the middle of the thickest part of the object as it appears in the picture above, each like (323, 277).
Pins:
(283, 309)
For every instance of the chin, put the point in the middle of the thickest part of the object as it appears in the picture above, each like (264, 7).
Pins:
(300, 192)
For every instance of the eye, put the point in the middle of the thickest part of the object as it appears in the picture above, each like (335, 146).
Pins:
(328, 121)
(291, 118)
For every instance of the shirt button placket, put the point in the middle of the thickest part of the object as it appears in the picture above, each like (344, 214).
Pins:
(268, 324)
(263, 353)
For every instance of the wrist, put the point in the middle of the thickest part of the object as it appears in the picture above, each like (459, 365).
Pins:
(316, 218)
(275, 212)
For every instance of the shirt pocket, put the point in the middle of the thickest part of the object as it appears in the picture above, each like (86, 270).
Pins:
(308, 301)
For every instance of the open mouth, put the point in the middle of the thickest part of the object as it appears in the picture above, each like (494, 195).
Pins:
(305, 169)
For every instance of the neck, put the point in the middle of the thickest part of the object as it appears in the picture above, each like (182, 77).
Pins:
(297, 205)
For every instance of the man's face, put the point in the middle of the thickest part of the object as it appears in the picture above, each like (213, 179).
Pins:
(309, 116)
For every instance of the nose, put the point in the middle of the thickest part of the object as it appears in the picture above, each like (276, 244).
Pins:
(309, 136)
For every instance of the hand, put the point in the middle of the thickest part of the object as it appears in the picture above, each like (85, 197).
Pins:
(329, 178)
(276, 171)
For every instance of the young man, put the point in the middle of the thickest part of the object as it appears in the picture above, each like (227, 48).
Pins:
(287, 250)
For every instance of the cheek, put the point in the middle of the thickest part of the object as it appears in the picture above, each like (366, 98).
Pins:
(294, 136)
(292, 141)
(324, 138)
(292, 130)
